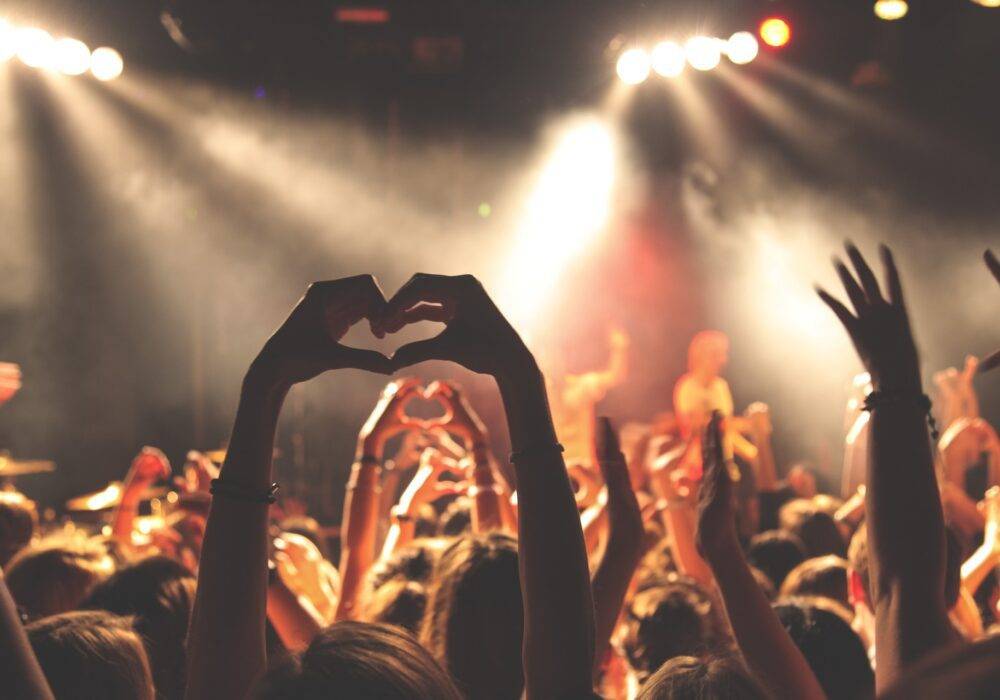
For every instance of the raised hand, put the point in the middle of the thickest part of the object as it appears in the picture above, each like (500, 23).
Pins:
(716, 501)
(10, 381)
(462, 418)
(148, 467)
(477, 336)
(388, 418)
(427, 486)
(308, 342)
(880, 327)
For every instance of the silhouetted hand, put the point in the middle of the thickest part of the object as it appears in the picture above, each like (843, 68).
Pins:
(477, 336)
(463, 419)
(880, 327)
(308, 342)
(716, 503)
(621, 498)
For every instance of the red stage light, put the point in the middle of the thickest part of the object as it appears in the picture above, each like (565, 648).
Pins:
(361, 15)
(776, 32)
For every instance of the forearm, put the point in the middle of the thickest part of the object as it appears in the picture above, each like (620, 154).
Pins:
(226, 639)
(612, 578)
(124, 518)
(359, 531)
(762, 639)
(978, 566)
(594, 522)
(23, 677)
(294, 618)
(559, 626)
(487, 495)
(679, 518)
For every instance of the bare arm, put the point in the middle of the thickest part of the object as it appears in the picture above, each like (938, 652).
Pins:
(23, 677)
(905, 521)
(558, 646)
(148, 467)
(226, 648)
(762, 639)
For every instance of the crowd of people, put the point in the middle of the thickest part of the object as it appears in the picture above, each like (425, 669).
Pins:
(666, 559)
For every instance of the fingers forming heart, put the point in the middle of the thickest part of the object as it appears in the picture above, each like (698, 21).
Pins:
(427, 395)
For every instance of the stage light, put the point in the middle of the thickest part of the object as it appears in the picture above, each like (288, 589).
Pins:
(7, 45)
(633, 66)
(891, 9)
(703, 52)
(775, 32)
(106, 64)
(742, 48)
(35, 47)
(668, 59)
(987, 3)
(72, 57)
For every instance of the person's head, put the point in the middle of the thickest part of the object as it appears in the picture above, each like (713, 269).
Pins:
(18, 524)
(776, 553)
(397, 602)
(52, 577)
(708, 353)
(820, 576)
(802, 481)
(414, 562)
(358, 660)
(817, 530)
(674, 618)
(822, 631)
(91, 654)
(456, 518)
(474, 620)
(709, 678)
(158, 593)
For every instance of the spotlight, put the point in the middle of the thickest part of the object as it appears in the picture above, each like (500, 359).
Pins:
(72, 57)
(703, 52)
(668, 59)
(35, 47)
(891, 9)
(633, 66)
(106, 64)
(742, 48)
(7, 45)
(775, 32)
(987, 3)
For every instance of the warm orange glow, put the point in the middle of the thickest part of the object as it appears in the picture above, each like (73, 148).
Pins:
(775, 32)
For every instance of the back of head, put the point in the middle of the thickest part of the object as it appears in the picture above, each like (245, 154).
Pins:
(359, 660)
(91, 654)
(820, 576)
(401, 603)
(18, 524)
(158, 593)
(817, 530)
(667, 620)
(690, 678)
(776, 553)
(456, 518)
(53, 577)
(822, 632)
(474, 620)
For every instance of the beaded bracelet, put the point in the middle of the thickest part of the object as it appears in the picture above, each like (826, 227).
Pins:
(878, 399)
(535, 450)
(243, 493)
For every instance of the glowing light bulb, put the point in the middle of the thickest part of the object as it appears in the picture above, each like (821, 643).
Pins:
(72, 57)
(703, 52)
(775, 32)
(8, 46)
(633, 66)
(742, 48)
(35, 47)
(891, 9)
(106, 64)
(668, 59)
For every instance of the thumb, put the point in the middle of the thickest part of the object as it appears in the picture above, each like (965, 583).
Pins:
(419, 351)
(368, 360)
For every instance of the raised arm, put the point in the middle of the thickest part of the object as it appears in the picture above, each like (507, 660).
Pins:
(226, 649)
(148, 467)
(22, 676)
(625, 539)
(905, 523)
(559, 623)
(762, 639)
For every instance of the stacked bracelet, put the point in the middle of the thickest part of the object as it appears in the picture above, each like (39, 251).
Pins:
(243, 493)
(536, 450)
(878, 399)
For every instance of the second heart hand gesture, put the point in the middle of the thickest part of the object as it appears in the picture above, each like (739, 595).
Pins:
(308, 342)
(461, 419)
(388, 418)
(477, 336)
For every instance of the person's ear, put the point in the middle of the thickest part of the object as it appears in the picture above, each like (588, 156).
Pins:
(856, 592)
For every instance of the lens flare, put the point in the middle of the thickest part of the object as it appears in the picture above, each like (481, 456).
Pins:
(72, 57)
(891, 9)
(8, 47)
(106, 64)
(633, 66)
(668, 59)
(775, 32)
(703, 52)
(742, 48)
(35, 47)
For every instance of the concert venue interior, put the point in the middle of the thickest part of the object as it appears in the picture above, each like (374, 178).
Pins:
(620, 175)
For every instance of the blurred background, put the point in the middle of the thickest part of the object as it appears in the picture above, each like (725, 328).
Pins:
(166, 201)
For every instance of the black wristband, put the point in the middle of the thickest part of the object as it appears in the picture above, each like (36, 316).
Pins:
(243, 493)
(535, 450)
(878, 399)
